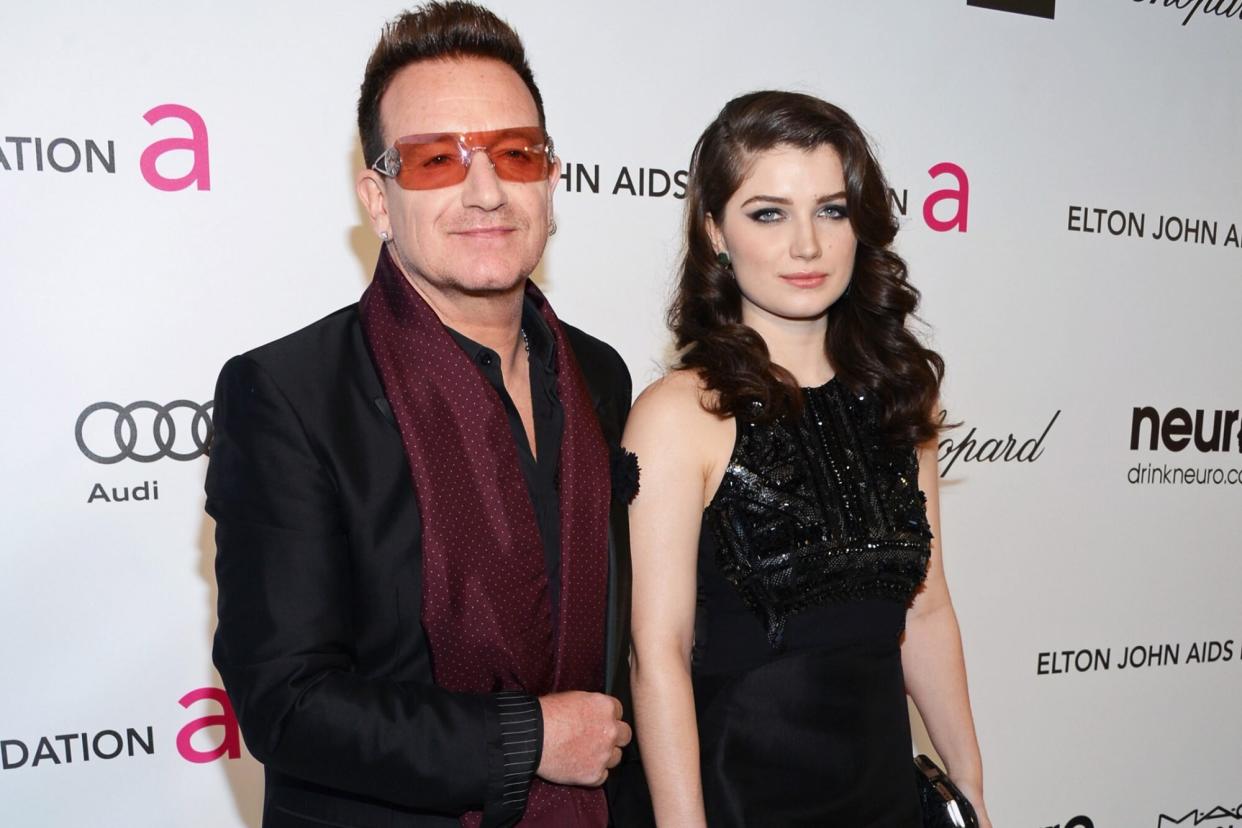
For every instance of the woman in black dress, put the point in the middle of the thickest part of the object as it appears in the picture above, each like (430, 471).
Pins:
(788, 589)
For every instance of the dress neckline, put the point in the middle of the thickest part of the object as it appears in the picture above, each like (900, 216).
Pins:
(830, 381)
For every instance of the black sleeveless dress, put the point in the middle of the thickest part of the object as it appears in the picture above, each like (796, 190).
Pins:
(809, 554)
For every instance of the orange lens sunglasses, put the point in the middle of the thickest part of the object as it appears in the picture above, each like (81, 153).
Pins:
(442, 159)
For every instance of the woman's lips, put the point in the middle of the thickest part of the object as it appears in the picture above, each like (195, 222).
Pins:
(805, 280)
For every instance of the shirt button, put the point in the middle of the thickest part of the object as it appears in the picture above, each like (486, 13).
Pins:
(485, 359)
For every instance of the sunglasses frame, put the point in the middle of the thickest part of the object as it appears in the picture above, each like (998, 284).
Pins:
(389, 162)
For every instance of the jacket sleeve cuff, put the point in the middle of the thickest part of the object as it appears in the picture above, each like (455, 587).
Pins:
(515, 748)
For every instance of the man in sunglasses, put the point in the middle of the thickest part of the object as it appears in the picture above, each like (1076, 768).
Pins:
(422, 561)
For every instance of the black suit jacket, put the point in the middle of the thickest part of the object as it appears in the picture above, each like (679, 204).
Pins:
(319, 570)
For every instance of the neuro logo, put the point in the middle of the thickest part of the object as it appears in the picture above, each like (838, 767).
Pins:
(1032, 8)
(108, 433)
(1198, 432)
(1180, 429)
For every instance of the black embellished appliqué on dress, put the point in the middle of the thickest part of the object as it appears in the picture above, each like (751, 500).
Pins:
(809, 554)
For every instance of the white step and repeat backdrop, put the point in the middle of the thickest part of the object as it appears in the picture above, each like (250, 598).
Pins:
(176, 183)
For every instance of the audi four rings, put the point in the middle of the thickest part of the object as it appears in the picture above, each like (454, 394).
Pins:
(163, 431)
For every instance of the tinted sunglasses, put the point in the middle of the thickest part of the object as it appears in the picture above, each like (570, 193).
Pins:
(442, 159)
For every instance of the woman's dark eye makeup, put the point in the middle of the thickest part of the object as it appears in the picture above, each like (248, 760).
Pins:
(768, 215)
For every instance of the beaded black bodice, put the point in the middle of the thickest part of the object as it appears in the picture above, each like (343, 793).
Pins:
(819, 510)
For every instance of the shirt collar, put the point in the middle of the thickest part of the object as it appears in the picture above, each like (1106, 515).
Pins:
(538, 334)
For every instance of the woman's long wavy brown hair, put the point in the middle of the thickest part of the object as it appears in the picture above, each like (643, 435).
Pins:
(868, 343)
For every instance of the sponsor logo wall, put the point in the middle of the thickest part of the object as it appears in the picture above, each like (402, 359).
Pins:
(1067, 180)
(67, 155)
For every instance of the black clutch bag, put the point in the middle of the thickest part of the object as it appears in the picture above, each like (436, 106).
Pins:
(943, 804)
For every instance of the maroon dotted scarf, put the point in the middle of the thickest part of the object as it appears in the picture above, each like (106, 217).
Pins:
(486, 606)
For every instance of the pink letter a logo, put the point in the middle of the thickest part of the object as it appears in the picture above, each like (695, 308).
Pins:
(200, 173)
(961, 195)
(230, 744)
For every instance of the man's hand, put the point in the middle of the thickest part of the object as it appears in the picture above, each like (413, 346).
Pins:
(582, 737)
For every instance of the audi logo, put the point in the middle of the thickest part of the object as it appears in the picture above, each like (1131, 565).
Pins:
(130, 442)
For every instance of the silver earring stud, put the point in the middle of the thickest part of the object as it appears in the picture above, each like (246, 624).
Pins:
(383, 235)
(552, 228)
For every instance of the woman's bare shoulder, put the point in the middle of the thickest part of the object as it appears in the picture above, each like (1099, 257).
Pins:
(671, 419)
(679, 442)
(678, 397)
